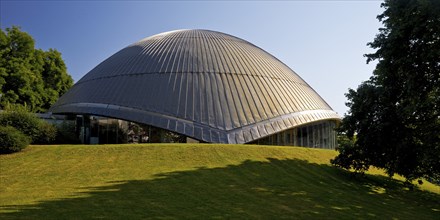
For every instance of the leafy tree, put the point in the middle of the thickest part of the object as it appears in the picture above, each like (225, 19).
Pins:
(30, 76)
(395, 114)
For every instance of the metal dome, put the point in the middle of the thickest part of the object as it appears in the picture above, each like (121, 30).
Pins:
(204, 84)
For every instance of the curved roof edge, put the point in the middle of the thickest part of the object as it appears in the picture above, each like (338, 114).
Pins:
(196, 130)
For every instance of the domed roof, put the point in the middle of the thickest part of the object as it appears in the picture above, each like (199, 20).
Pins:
(204, 84)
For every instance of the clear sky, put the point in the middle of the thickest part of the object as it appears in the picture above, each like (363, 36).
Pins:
(322, 41)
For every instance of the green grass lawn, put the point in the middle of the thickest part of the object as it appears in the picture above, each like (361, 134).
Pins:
(166, 181)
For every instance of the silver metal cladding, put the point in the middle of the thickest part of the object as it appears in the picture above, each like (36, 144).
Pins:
(204, 84)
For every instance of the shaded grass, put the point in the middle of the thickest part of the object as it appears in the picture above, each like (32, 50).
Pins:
(198, 181)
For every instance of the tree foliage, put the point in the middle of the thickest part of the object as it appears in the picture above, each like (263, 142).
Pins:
(30, 76)
(395, 114)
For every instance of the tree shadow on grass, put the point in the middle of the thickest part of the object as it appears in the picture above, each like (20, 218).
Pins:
(275, 189)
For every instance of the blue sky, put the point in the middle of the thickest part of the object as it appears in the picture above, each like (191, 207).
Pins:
(322, 41)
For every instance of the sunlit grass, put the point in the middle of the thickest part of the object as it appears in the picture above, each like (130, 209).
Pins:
(199, 181)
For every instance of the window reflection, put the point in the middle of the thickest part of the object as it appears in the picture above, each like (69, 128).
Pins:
(316, 135)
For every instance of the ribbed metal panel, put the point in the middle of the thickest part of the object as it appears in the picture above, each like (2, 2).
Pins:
(205, 84)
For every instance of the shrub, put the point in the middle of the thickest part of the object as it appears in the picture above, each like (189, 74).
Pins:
(22, 120)
(38, 130)
(47, 134)
(12, 140)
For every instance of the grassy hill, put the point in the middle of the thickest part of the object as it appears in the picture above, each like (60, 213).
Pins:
(199, 181)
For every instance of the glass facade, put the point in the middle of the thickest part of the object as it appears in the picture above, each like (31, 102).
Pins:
(316, 135)
(103, 130)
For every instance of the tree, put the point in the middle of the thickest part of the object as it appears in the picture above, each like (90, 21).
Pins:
(395, 114)
(30, 76)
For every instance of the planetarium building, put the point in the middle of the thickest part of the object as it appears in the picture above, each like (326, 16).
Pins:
(197, 85)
